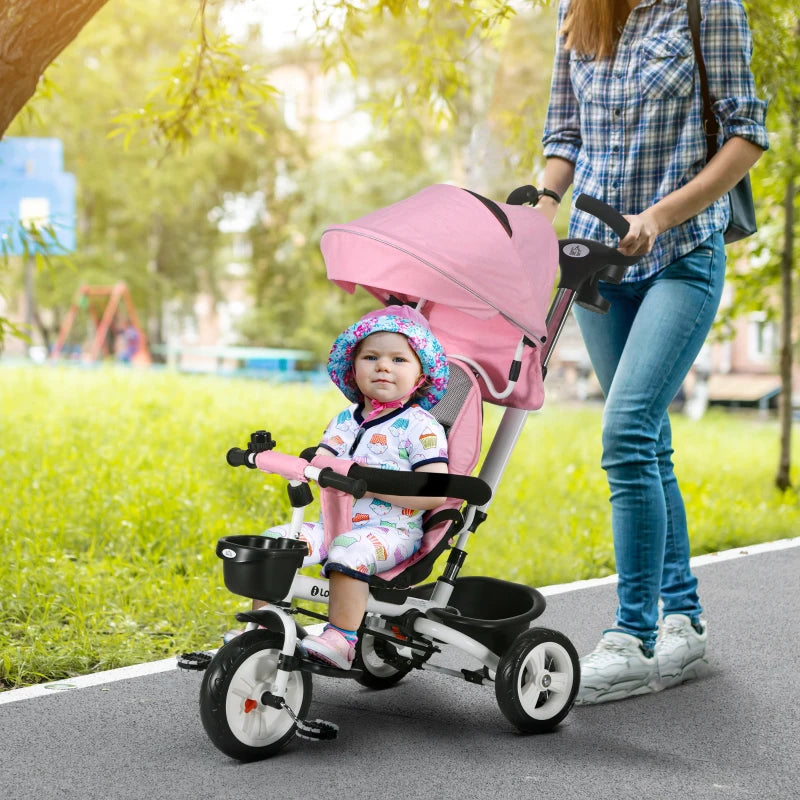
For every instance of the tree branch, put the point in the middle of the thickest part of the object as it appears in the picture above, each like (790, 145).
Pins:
(32, 34)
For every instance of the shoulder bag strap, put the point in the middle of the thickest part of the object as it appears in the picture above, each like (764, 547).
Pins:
(710, 122)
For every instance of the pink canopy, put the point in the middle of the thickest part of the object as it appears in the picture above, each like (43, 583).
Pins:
(486, 271)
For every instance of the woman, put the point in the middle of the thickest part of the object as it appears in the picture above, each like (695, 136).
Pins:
(624, 124)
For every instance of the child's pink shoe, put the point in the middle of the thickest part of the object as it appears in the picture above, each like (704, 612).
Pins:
(330, 647)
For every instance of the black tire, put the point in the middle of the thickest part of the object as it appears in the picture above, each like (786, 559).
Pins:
(372, 658)
(243, 670)
(537, 680)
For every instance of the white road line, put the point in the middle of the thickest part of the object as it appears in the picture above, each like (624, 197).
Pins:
(697, 561)
(168, 664)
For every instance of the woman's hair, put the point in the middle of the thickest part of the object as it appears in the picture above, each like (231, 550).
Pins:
(592, 27)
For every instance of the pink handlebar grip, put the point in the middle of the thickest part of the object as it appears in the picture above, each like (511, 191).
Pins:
(340, 465)
(289, 467)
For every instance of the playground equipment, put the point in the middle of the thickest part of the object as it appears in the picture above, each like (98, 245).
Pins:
(103, 315)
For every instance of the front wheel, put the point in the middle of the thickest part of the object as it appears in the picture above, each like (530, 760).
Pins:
(537, 680)
(232, 713)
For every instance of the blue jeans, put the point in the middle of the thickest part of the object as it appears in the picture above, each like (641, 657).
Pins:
(641, 351)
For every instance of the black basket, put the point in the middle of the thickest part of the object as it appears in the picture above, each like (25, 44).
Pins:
(260, 567)
(491, 611)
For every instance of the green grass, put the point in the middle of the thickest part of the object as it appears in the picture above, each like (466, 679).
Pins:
(114, 490)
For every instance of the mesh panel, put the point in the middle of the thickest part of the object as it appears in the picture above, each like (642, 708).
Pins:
(447, 409)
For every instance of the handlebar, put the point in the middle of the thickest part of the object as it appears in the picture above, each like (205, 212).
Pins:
(291, 467)
(530, 195)
(260, 441)
(603, 212)
(328, 479)
(237, 457)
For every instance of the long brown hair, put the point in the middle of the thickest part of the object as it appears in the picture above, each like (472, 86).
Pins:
(592, 27)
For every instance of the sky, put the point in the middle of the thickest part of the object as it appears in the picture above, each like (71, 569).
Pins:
(282, 21)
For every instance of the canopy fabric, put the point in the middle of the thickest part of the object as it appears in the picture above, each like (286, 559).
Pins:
(485, 270)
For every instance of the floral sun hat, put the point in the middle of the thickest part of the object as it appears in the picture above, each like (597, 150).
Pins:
(392, 319)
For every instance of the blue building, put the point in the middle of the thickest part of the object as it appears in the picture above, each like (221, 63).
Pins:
(35, 191)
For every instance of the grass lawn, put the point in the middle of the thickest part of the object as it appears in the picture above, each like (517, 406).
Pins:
(114, 490)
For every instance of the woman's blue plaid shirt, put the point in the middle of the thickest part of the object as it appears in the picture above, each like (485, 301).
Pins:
(632, 124)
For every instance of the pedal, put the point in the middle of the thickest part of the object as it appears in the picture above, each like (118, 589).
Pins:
(196, 661)
(316, 729)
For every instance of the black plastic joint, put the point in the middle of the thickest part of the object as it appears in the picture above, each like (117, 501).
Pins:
(513, 373)
(269, 699)
(288, 663)
(475, 675)
(300, 496)
(479, 518)
(405, 622)
(453, 565)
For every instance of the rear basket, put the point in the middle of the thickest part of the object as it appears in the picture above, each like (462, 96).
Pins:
(491, 611)
(260, 567)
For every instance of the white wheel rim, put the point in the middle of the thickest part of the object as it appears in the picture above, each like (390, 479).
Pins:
(374, 664)
(260, 725)
(546, 673)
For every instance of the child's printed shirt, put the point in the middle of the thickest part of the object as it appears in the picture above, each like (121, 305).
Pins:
(404, 439)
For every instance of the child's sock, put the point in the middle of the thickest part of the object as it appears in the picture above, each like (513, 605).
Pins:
(351, 636)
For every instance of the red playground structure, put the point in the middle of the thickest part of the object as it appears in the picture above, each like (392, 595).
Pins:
(113, 300)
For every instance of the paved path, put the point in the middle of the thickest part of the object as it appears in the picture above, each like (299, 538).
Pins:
(735, 734)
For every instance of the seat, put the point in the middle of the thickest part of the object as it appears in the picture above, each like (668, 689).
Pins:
(460, 413)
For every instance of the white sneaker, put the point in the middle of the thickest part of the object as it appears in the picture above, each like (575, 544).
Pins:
(680, 650)
(617, 668)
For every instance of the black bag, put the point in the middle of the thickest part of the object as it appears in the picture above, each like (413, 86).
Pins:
(742, 209)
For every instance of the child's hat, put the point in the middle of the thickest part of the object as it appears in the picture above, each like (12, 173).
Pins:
(393, 319)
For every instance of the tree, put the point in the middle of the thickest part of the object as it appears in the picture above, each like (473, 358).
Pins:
(144, 212)
(431, 81)
(771, 262)
(32, 34)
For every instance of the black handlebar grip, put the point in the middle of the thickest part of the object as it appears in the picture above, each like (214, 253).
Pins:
(237, 457)
(328, 479)
(522, 195)
(603, 212)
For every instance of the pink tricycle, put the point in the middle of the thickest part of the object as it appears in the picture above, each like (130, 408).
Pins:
(482, 273)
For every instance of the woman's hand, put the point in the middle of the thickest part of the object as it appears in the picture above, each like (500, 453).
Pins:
(641, 235)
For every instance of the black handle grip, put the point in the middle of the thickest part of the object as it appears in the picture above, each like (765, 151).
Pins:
(237, 457)
(522, 195)
(328, 479)
(424, 484)
(603, 212)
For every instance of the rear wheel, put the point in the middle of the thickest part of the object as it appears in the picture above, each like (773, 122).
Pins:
(380, 665)
(234, 717)
(537, 680)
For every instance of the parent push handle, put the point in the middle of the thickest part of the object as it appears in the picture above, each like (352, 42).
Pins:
(603, 212)
(585, 262)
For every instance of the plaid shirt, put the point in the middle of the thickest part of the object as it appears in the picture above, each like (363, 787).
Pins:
(632, 124)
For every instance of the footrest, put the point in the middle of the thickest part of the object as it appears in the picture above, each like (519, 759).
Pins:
(316, 729)
(196, 661)
(329, 671)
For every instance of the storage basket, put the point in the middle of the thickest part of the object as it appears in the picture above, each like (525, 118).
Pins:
(259, 566)
(491, 611)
